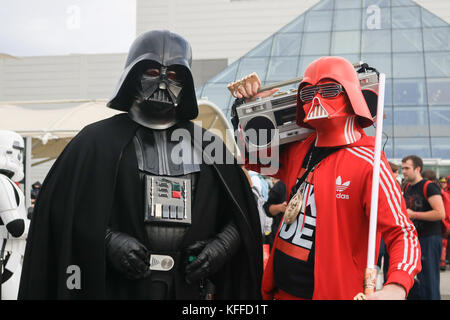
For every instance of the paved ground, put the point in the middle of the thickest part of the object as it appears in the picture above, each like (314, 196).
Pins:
(445, 284)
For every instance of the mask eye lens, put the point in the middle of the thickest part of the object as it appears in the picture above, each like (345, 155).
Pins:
(326, 90)
(9, 152)
(172, 75)
(330, 90)
(152, 72)
(307, 93)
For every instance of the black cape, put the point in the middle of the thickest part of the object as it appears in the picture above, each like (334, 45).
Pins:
(74, 208)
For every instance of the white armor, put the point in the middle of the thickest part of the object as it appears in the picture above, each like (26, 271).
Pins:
(12, 210)
(11, 154)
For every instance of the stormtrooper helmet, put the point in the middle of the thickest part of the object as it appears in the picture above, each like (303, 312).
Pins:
(11, 155)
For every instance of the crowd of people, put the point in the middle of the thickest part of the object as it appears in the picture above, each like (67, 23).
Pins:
(120, 217)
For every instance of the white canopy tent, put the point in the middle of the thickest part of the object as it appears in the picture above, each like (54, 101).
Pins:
(51, 124)
(48, 126)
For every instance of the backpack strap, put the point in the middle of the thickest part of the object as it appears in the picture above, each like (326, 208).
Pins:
(425, 185)
(406, 187)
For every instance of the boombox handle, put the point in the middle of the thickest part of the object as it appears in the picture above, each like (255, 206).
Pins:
(294, 80)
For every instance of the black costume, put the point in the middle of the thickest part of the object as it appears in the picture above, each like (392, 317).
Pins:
(277, 195)
(107, 189)
(416, 201)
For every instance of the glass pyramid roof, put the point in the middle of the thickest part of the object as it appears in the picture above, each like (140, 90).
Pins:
(398, 37)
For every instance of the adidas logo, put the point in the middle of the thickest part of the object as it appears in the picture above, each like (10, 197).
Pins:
(341, 187)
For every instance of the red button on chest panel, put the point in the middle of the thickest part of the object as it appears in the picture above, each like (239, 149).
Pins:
(176, 194)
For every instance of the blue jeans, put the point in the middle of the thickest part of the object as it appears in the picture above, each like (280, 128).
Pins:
(427, 284)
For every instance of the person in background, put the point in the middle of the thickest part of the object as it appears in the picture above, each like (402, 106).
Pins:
(447, 190)
(431, 175)
(448, 184)
(275, 207)
(426, 210)
(35, 188)
(259, 199)
(443, 183)
(395, 168)
(260, 183)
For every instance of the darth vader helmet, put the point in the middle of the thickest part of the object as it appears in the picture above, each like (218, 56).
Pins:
(331, 101)
(157, 80)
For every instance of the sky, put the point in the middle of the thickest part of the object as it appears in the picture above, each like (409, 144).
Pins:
(60, 27)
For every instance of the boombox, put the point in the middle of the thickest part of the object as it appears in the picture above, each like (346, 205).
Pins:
(271, 121)
(261, 120)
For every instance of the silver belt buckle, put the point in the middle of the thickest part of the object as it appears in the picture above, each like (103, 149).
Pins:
(159, 262)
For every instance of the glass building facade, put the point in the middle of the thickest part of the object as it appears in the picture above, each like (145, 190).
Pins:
(398, 37)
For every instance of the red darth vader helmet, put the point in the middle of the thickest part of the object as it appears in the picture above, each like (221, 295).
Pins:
(330, 100)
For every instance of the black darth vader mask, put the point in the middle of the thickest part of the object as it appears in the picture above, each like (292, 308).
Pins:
(158, 77)
(161, 87)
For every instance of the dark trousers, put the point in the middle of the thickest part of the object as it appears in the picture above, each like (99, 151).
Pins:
(427, 284)
(383, 254)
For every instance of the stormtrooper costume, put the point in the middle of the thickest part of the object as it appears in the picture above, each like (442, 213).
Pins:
(13, 220)
(139, 223)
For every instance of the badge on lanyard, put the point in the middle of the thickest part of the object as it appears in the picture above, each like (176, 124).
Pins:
(294, 205)
(296, 202)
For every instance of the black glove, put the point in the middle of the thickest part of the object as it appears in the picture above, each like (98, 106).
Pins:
(208, 256)
(127, 255)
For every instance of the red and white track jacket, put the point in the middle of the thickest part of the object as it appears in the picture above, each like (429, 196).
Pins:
(342, 223)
